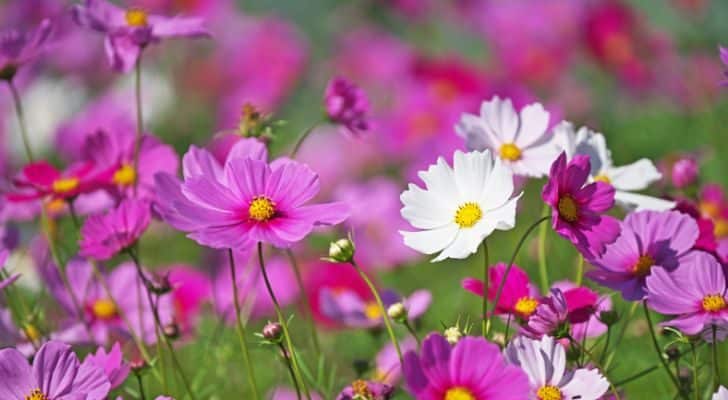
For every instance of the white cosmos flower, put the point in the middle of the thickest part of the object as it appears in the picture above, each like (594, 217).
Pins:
(460, 206)
(544, 361)
(721, 394)
(520, 140)
(625, 179)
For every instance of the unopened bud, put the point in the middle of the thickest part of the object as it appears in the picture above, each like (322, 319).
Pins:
(453, 334)
(159, 285)
(273, 331)
(609, 317)
(137, 366)
(341, 250)
(171, 330)
(684, 172)
(398, 312)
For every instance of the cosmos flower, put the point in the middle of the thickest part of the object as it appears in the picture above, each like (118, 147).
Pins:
(695, 292)
(584, 306)
(544, 361)
(103, 236)
(550, 318)
(191, 288)
(684, 172)
(519, 140)
(129, 31)
(9, 280)
(648, 239)
(626, 179)
(56, 374)
(42, 180)
(19, 48)
(713, 205)
(577, 209)
(351, 310)
(473, 369)
(519, 296)
(371, 390)
(460, 206)
(346, 104)
(721, 394)
(387, 367)
(112, 363)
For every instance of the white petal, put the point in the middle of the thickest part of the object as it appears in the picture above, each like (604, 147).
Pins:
(471, 172)
(472, 129)
(721, 394)
(440, 180)
(504, 217)
(564, 138)
(635, 176)
(638, 202)
(424, 210)
(526, 353)
(589, 384)
(466, 243)
(431, 241)
(536, 161)
(498, 188)
(594, 145)
(534, 123)
(501, 119)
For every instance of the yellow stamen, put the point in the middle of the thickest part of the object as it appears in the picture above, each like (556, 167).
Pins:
(104, 309)
(602, 178)
(709, 209)
(468, 214)
(714, 303)
(720, 228)
(65, 185)
(361, 389)
(372, 311)
(261, 209)
(31, 332)
(459, 393)
(55, 206)
(510, 152)
(525, 306)
(136, 17)
(548, 392)
(568, 209)
(36, 394)
(643, 265)
(125, 176)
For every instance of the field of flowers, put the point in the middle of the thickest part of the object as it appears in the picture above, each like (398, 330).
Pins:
(363, 200)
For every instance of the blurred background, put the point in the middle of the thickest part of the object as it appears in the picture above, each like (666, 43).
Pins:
(646, 73)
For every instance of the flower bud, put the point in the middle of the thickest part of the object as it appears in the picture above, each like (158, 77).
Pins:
(159, 285)
(171, 330)
(341, 250)
(684, 172)
(137, 366)
(609, 317)
(453, 335)
(273, 331)
(398, 312)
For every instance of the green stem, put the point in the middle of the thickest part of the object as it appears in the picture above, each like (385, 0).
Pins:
(382, 310)
(622, 332)
(306, 303)
(542, 266)
(696, 387)
(486, 284)
(508, 328)
(510, 265)
(412, 332)
(139, 116)
(21, 120)
(141, 386)
(284, 324)
(302, 139)
(714, 351)
(287, 361)
(579, 270)
(606, 344)
(657, 348)
(240, 327)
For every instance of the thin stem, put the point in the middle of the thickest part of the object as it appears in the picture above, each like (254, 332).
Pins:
(638, 375)
(508, 328)
(287, 361)
(657, 348)
(282, 321)
(696, 387)
(542, 266)
(302, 139)
(240, 327)
(606, 344)
(412, 332)
(622, 331)
(306, 303)
(579, 270)
(486, 285)
(382, 310)
(714, 351)
(21, 120)
(139, 116)
(141, 386)
(510, 265)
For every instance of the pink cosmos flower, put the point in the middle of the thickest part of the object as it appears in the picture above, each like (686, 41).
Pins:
(550, 318)
(473, 369)
(191, 288)
(347, 105)
(577, 209)
(695, 292)
(649, 239)
(387, 368)
(245, 202)
(103, 236)
(584, 306)
(684, 172)
(351, 310)
(42, 180)
(56, 374)
(519, 296)
(9, 280)
(324, 277)
(115, 154)
(713, 205)
(129, 31)
(366, 389)
(112, 363)
(19, 48)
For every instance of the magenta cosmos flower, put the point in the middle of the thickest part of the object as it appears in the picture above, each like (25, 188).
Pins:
(370, 390)
(577, 210)
(103, 236)
(550, 318)
(56, 374)
(42, 180)
(129, 31)
(111, 363)
(649, 239)
(695, 292)
(246, 201)
(472, 370)
(518, 298)
(18, 48)
(347, 105)
(584, 306)
(351, 310)
(387, 368)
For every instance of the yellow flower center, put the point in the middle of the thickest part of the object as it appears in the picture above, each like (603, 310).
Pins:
(549, 392)
(361, 389)
(55, 206)
(643, 265)
(31, 332)
(525, 306)
(104, 309)
(510, 152)
(602, 178)
(458, 393)
(720, 228)
(65, 185)
(709, 209)
(125, 176)
(714, 303)
(568, 209)
(136, 17)
(468, 215)
(36, 394)
(261, 209)
(372, 311)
